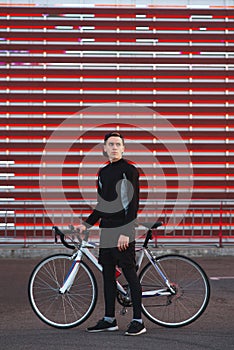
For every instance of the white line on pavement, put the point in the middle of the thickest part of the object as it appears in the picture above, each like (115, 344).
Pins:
(222, 278)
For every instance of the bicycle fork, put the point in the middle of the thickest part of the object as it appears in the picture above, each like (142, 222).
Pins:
(71, 275)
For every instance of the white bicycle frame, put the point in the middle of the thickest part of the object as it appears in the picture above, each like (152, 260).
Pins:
(84, 249)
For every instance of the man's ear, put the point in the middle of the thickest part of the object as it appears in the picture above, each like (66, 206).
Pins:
(104, 152)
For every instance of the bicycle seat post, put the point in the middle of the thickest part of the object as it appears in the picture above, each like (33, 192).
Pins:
(147, 238)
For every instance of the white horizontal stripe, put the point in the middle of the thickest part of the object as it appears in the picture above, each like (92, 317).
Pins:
(186, 93)
(142, 117)
(185, 128)
(7, 162)
(222, 278)
(7, 199)
(6, 225)
(7, 187)
(121, 66)
(209, 215)
(153, 204)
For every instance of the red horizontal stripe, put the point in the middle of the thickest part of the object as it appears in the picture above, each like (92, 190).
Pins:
(124, 27)
(37, 197)
(81, 188)
(118, 74)
(27, 26)
(35, 137)
(205, 225)
(218, 153)
(121, 37)
(122, 98)
(121, 11)
(164, 111)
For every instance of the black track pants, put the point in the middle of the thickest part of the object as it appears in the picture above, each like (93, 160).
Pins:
(109, 281)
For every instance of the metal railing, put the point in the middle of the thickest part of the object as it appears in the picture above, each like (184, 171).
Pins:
(198, 225)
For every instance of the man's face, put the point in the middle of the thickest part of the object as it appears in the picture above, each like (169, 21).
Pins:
(114, 148)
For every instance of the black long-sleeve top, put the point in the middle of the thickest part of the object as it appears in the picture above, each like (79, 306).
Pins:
(118, 196)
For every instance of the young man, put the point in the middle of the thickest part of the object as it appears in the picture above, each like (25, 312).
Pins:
(117, 205)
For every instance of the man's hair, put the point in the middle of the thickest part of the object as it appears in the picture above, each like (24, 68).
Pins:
(113, 133)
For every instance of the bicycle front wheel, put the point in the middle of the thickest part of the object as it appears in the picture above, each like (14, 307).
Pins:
(62, 310)
(191, 291)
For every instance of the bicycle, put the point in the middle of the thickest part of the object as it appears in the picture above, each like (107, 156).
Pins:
(63, 289)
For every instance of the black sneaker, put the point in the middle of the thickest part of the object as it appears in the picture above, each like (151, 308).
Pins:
(103, 326)
(135, 328)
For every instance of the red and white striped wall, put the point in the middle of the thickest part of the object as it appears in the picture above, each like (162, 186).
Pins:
(162, 76)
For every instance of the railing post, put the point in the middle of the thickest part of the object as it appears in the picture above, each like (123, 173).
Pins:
(155, 239)
(25, 233)
(221, 225)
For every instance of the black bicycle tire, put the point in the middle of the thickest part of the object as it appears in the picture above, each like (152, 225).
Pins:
(39, 315)
(206, 300)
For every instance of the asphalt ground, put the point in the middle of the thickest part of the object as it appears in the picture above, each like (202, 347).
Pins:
(21, 329)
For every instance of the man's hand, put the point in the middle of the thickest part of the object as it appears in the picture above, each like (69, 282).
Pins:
(123, 242)
(80, 228)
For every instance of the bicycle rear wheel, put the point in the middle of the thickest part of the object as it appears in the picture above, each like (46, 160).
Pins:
(191, 286)
(62, 310)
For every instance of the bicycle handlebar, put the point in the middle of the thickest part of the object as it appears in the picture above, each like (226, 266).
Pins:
(151, 226)
(58, 232)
